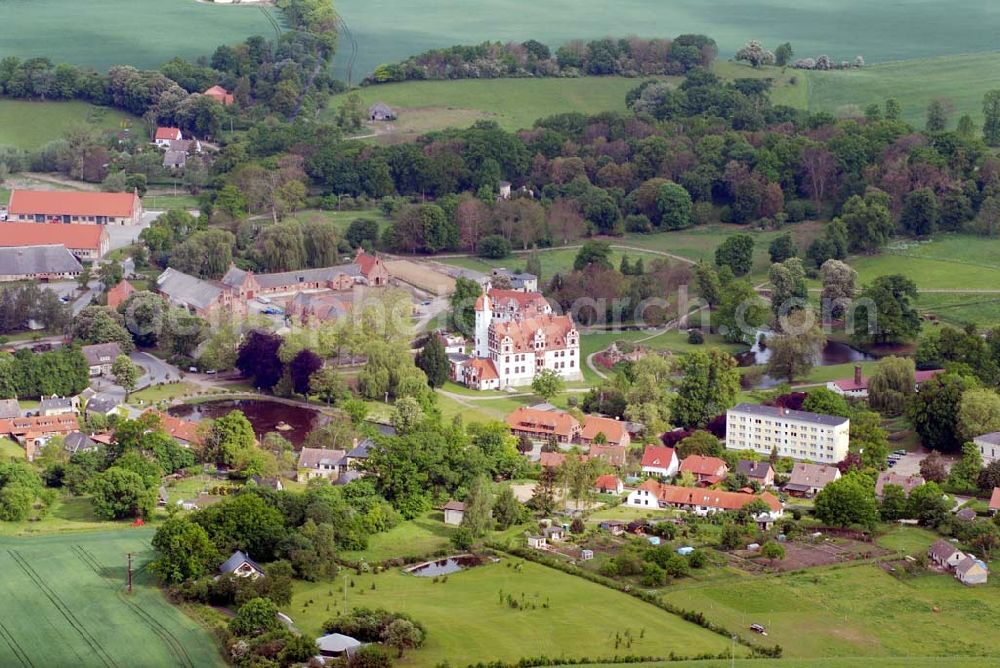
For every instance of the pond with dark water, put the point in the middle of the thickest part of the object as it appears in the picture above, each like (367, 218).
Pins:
(833, 353)
(446, 566)
(292, 422)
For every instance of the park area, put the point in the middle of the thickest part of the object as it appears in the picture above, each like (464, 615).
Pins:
(31, 125)
(72, 608)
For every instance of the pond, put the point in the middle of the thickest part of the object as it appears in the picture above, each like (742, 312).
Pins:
(292, 422)
(446, 566)
(834, 352)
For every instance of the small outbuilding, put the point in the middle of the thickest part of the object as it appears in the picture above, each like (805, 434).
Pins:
(972, 571)
(336, 645)
(555, 533)
(614, 527)
(454, 512)
(537, 542)
(380, 111)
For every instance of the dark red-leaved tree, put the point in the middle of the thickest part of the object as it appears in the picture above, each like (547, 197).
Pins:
(301, 368)
(258, 359)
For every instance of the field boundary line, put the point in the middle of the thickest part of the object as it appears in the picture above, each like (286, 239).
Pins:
(15, 647)
(63, 609)
(175, 646)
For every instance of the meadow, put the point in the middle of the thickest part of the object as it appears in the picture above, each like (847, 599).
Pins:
(30, 125)
(143, 33)
(844, 30)
(466, 621)
(72, 607)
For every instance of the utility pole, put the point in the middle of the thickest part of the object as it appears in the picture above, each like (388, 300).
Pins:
(130, 572)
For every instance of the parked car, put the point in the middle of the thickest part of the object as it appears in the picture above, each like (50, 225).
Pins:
(757, 628)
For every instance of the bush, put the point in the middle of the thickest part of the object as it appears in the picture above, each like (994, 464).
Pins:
(494, 247)
(638, 223)
(695, 337)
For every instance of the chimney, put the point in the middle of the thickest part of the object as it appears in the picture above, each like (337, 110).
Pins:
(857, 374)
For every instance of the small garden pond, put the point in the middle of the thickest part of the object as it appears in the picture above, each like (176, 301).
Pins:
(446, 565)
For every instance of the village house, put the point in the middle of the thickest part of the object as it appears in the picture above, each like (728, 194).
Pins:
(119, 294)
(164, 136)
(613, 432)
(454, 512)
(38, 263)
(77, 441)
(907, 482)
(795, 434)
(220, 95)
(706, 470)
(86, 242)
(609, 484)
(522, 281)
(380, 111)
(653, 494)
(857, 387)
(203, 298)
(552, 460)
(808, 479)
(760, 472)
(320, 463)
(9, 408)
(995, 501)
(971, 571)
(944, 554)
(54, 405)
(659, 461)
(517, 336)
(989, 447)
(32, 433)
(541, 425)
(242, 566)
(612, 454)
(185, 432)
(57, 206)
(966, 514)
(101, 357)
(103, 404)
(335, 645)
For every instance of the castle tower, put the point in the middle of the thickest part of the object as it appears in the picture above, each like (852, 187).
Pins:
(484, 316)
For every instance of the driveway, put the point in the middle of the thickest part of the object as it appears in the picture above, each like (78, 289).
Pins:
(126, 235)
(157, 371)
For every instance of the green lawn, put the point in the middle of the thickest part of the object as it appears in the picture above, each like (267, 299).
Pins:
(343, 219)
(67, 514)
(102, 33)
(157, 393)
(166, 201)
(418, 537)
(856, 611)
(466, 621)
(10, 451)
(68, 593)
(930, 273)
(514, 104)
(30, 125)
(908, 540)
(960, 308)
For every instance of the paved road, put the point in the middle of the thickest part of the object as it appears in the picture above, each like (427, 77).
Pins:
(125, 235)
(157, 371)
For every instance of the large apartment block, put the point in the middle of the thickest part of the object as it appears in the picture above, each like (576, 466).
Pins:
(797, 434)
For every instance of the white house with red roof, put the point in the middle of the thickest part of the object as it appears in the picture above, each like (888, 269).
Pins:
(58, 206)
(857, 387)
(660, 460)
(516, 337)
(164, 136)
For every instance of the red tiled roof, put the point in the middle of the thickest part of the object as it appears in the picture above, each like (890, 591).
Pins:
(849, 385)
(701, 465)
(551, 460)
(523, 299)
(995, 499)
(554, 328)
(658, 456)
(924, 376)
(487, 370)
(907, 482)
(60, 203)
(118, 294)
(84, 237)
(613, 430)
(219, 93)
(718, 499)
(613, 454)
(607, 482)
(543, 422)
(168, 133)
(366, 262)
(42, 424)
(184, 430)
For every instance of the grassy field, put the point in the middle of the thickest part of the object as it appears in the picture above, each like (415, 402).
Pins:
(32, 124)
(156, 393)
(466, 622)
(512, 103)
(554, 261)
(102, 33)
(423, 535)
(342, 219)
(68, 514)
(949, 262)
(856, 611)
(72, 608)
(963, 79)
(843, 31)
